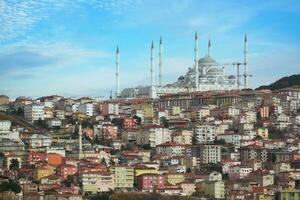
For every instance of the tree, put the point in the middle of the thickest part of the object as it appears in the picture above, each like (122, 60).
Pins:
(20, 111)
(97, 140)
(117, 122)
(220, 142)
(164, 122)
(10, 186)
(101, 197)
(103, 161)
(14, 164)
(137, 119)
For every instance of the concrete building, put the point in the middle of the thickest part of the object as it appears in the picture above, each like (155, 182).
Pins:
(87, 109)
(34, 112)
(95, 182)
(205, 134)
(153, 135)
(150, 182)
(123, 176)
(38, 141)
(5, 125)
(110, 108)
(253, 152)
(4, 100)
(207, 153)
(183, 137)
(66, 170)
(215, 189)
(172, 149)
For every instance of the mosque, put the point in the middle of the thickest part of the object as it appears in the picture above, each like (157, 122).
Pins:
(210, 76)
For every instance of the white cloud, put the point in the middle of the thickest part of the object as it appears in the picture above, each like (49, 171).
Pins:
(24, 59)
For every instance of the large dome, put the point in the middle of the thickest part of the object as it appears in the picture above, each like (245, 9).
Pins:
(206, 60)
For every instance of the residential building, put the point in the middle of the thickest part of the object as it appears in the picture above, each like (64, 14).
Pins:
(87, 109)
(205, 134)
(38, 141)
(150, 182)
(65, 170)
(95, 182)
(207, 153)
(34, 112)
(153, 135)
(110, 108)
(215, 189)
(183, 137)
(123, 176)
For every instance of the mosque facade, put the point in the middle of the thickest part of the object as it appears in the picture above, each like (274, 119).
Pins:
(210, 76)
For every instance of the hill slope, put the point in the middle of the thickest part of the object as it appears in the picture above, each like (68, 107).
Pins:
(284, 82)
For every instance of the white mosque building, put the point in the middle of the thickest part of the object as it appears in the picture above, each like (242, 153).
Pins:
(210, 76)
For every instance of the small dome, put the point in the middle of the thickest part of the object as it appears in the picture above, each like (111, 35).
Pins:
(206, 60)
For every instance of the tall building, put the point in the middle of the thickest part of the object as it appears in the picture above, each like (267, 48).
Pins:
(123, 176)
(205, 134)
(34, 112)
(87, 109)
(207, 153)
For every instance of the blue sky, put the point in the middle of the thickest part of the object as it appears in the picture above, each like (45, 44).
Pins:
(67, 47)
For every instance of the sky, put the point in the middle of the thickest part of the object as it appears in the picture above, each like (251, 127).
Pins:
(67, 47)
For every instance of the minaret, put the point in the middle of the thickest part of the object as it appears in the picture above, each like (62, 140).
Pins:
(196, 62)
(80, 139)
(245, 63)
(152, 89)
(151, 65)
(117, 73)
(209, 48)
(160, 61)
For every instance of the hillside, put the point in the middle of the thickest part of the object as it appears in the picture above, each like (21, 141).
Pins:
(288, 81)
(16, 120)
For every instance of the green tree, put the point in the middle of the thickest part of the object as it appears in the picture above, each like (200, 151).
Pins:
(220, 142)
(14, 164)
(10, 187)
(137, 119)
(117, 122)
(164, 122)
(101, 197)
(103, 161)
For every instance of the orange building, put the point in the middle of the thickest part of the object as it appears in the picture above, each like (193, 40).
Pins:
(128, 123)
(54, 159)
(264, 111)
(66, 170)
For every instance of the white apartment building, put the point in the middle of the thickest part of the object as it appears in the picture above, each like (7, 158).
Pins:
(74, 108)
(207, 153)
(205, 134)
(54, 123)
(97, 182)
(87, 109)
(5, 125)
(60, 114)
(37, 141)
(171, 149)
(110, 109)
(5, 132)
(203, 112)
(183, 137)
(154, 135)
(48, 104)
(34, 112)
(231, 138)
(233, 111)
